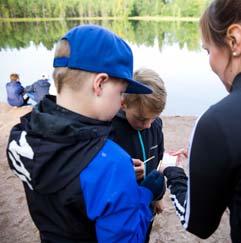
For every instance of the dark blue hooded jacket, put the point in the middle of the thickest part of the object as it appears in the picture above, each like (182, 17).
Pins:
(38, 89)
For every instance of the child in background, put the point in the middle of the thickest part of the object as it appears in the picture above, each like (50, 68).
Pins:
(81, 186)
(15, 91)
(138, 128)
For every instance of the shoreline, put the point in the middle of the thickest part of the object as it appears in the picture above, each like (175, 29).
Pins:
(141, 18)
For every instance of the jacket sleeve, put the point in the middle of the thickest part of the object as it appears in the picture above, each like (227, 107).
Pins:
(113, 199)
(201, 200)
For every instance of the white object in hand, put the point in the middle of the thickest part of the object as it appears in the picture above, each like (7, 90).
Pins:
(153, 157)
(168, 160)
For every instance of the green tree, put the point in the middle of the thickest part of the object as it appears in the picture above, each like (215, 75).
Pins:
(86, 8)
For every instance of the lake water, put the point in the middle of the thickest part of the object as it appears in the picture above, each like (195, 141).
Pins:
(172, 49)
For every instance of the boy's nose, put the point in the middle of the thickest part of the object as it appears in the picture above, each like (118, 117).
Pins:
(147, 124)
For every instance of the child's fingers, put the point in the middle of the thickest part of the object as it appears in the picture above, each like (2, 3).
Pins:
(162, 205)
(137, 162)
(139, 170)
(159, 206)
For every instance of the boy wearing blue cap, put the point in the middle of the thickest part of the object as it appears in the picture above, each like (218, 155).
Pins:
(80, 186)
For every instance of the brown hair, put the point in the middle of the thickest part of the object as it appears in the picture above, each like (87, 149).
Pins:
(217, 18)
(156, 101)
(64, 76)
(14, 76)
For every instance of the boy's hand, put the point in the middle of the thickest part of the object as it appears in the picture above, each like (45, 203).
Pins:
(139, 168)
(158, 206)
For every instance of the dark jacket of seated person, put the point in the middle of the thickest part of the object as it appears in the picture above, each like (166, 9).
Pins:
(38, 89)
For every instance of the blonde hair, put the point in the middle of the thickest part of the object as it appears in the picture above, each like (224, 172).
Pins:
(154, 102)
(14, 76)
(64, 76)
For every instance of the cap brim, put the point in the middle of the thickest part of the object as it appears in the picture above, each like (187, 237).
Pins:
(135, 87)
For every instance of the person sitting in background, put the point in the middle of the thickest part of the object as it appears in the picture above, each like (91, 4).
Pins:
(15, 91)
(38, 89)
(138, 128)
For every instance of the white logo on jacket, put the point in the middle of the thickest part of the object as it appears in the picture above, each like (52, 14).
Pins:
(154, 147)
(14, 152)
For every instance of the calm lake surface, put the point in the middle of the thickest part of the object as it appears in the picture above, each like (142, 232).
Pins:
(170, 48)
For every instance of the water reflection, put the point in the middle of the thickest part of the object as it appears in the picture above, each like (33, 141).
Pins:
(21, 34)
(170, 48)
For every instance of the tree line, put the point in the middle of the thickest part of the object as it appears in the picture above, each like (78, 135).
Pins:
(100, 8)
(22, 34)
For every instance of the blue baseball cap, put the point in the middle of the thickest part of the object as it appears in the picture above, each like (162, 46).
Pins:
(96, 49)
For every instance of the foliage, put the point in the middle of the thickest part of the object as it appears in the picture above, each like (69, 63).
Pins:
(88, 8)
(22, 34)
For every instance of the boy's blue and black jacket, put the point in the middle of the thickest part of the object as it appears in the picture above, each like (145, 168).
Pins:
(70, 199)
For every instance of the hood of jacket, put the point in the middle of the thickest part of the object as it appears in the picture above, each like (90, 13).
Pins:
(43, 83)
(60, 142)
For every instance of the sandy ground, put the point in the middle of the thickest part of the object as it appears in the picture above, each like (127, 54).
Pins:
(16, 225)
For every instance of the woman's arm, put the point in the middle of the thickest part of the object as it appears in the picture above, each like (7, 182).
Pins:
(201, 199)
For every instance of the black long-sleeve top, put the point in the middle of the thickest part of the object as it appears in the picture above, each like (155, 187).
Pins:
(214, 181)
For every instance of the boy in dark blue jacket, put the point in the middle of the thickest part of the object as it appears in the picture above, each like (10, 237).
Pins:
(15, 91)
(138, 128)
(80, 186)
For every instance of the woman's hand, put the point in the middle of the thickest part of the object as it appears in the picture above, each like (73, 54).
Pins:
(173, 159)
(183, 152)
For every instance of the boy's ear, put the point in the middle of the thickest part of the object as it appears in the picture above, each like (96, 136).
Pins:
(98, 82)
(234, 39)
(123, 105)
